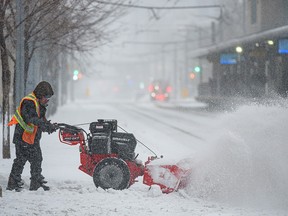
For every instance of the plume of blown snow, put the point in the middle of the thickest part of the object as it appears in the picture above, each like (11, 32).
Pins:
(246, 159)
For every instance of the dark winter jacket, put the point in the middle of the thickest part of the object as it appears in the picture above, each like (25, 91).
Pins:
(29, 115)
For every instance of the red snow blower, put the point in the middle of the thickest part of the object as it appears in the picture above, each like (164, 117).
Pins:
(109, 157)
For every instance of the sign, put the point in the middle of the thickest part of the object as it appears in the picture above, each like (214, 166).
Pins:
(228, 58)
(283, 46)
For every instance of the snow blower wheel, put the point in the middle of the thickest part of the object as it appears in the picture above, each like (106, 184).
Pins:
(111, 173)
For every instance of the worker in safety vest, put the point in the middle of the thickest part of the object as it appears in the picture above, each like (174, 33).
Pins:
(30, 122)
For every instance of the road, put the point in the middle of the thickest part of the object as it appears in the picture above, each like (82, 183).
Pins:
(171, 132)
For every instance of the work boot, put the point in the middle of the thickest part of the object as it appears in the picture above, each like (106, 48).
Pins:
(42, 179)
(21, 183)
(35, 184)
(13, 184)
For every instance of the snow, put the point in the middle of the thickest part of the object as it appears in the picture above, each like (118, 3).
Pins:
(239, 161)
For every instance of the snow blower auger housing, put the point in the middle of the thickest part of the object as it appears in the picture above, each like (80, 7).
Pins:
(109, 157)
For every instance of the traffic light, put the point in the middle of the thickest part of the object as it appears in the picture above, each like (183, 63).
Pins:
(192, 75)
(197, 69)
(75, 75)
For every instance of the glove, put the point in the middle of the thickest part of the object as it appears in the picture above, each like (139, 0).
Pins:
(53, 128)
(50, 128)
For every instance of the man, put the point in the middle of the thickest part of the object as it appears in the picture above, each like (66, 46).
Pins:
(30, 122)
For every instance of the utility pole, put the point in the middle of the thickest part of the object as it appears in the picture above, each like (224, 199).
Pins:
(186, 68)
(244, 17)
(19, 74)
(163, 60)
(35, 61)
(176, 75)
(200, 60)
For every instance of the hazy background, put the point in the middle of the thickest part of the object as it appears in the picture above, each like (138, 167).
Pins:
(145, 46)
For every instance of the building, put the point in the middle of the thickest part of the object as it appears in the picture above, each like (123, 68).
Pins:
(254, 64)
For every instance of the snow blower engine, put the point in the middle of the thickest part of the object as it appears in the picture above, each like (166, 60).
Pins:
(109, 157)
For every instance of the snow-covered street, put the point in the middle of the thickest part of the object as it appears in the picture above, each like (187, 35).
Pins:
(239, 162)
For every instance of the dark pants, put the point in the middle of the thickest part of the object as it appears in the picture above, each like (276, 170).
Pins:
(24, 153)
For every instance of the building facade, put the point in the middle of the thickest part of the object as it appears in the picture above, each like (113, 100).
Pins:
(254, 64)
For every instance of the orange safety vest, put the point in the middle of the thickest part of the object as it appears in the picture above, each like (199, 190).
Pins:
(30, 130)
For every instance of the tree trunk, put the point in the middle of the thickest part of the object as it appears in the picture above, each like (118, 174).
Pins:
(27, 51)
(6, 81)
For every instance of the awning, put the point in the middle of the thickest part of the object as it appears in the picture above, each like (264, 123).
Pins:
(269, 34)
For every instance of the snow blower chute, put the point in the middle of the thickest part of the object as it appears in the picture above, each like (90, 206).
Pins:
(109, 157)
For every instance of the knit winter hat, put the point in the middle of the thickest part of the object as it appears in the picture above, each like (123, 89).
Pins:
(43, 89)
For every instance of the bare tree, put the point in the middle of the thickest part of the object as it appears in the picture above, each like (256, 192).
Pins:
(6, 80)
(55, 25)
(69, 25)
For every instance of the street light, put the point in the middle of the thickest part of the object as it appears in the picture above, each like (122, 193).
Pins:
(239, 49)
(270, 42)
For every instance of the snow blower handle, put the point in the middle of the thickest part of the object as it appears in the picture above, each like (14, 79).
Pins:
(68, 128)
(70, 135)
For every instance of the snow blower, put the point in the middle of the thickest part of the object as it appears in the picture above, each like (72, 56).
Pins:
(109, 157)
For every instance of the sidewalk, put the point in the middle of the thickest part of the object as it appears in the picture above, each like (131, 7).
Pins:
(189, 103)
